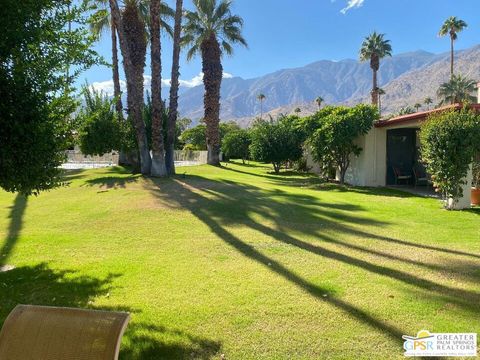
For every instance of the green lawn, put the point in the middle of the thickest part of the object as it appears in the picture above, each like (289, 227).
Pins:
(241, 262)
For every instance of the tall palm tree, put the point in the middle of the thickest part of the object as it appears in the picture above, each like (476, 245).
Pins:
(319, 100)
(158, 149)
(428, 101)
(211, 30)
(101, 22)
(458, 90)
(417, 106)
(374, 48)
(452, 26)
(173, 106)
(133, 44)
(261, 98)
(380, 93)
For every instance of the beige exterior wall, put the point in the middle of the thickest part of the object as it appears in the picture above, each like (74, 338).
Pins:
(370, 167)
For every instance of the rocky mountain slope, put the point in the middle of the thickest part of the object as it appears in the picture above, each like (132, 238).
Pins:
(406, 78)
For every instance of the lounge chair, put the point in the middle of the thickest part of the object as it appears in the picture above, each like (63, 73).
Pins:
(401, 176)
(420, 176)
(53, 333)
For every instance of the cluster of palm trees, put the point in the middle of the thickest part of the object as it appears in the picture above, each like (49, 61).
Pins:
(375, 47)
(210, 30)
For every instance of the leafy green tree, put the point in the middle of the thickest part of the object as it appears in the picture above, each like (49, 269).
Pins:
(452, 26)
(40, 58)
(100, 129)
(235, 144)
(333, 141)
(449, 142)
(458, 90)
(277, 142)
(211, 30)
(194, 138)
(374, 48)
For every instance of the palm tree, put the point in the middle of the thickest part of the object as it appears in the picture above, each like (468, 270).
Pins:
(133, 45)
(319, 100)
(174, 84)
(261, 98)
(374, 48)
(428, 101)
(458, 90)
(452, 26)
(101, 21)
(417, 106)
(158, 149)
(211, 30)
(380, 93)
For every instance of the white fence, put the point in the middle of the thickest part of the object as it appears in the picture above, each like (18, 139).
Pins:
(188, 157)
(77, 160)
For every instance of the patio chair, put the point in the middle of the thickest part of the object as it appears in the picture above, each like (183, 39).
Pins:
(53, 333)
(401, 176)
(420, 176)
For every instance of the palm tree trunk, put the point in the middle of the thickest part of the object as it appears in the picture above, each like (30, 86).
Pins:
(374, 88)
(158, 150)
(117, 92)
(173, 106)
(452, 54)
(212, 80)
(131, 33)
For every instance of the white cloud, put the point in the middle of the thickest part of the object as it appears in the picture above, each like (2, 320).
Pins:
(351, 5)
(107, 86)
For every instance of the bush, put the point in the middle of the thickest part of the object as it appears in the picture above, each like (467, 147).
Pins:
(36, 98)
(277, 142)
(235, 144)
(332, 132)
(101, 129)
(449, 141)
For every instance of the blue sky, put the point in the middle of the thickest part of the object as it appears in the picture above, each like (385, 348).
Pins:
(292, 33)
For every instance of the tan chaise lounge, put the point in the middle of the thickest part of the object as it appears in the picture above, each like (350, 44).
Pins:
(53, 333)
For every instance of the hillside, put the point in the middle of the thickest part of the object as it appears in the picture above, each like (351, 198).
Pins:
(407, 78)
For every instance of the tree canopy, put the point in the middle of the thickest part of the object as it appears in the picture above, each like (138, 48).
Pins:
(40, 58)
(277, 142)
(332, 132)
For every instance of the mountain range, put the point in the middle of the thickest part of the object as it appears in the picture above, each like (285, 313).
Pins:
(407, 78)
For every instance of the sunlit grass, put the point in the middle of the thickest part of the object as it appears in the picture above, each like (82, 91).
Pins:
(242, 262)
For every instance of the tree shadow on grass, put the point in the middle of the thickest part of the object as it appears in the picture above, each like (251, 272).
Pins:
(221, 203)
(144, 341)
(17, 212)
(113, 182)
(41, 285)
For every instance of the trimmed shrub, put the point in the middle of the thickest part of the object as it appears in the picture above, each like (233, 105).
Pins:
(449, 141)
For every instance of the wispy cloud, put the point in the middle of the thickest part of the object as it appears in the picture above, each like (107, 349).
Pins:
(107, 86)
(352, 4)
